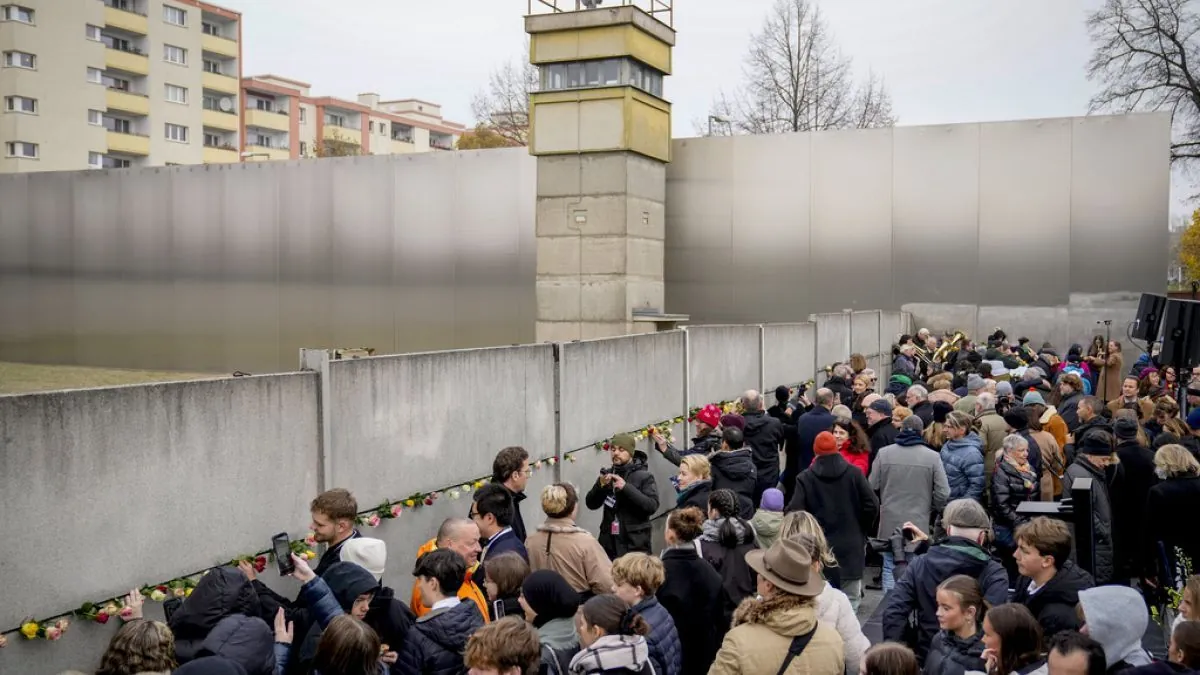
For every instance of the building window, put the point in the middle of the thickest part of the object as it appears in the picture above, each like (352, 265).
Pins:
(303, 148)
(22, 104)
(177, 133)
(173, 54)
(210, 29)
(120, 4)
(96, 160)
(212, 140)
(213, 67)
(335, 120)
(264, 104)
(20, 60)
(93, 32)
(116, 83)
(262, 140)
(176, 94)
(116, 125)
(115, 163)
(601, 73)
(303, 115)
(95, 118)
(174, 15)
(18, 13)
(95, 75)
(22, 149)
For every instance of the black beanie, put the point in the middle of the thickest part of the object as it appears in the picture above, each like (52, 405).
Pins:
(549, 596)
(782, 394)
(941, 410)
(1095, 442)
(1017, 417)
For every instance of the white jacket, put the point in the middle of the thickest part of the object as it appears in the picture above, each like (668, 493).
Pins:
(834, 610)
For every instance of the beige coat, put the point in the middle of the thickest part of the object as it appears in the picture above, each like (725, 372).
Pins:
(571, 551)
(1111, 388)
(762, 633)
(992, 429)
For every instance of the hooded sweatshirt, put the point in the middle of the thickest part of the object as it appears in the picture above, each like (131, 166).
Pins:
(734, 470)
(346, 581)
(245, 640)
(766, 526)
(1116, 617)
(222, 592)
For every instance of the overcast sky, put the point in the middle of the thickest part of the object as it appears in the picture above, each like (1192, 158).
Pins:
(944, 61)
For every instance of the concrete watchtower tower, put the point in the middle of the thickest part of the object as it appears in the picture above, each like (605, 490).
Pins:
(601, 131)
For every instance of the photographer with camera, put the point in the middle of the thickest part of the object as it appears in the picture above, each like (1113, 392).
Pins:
(910, 609)
(629, 496)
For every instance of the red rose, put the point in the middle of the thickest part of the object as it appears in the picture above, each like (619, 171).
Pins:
(429, 501)
(161, 588)
(101, 618)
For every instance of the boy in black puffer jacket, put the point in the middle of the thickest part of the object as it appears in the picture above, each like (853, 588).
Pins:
(436, 643)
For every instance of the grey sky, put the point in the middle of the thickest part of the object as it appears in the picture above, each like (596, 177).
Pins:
(944, 61)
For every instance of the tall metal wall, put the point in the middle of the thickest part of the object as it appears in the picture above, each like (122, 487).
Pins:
(1033, 213)
(236, 267)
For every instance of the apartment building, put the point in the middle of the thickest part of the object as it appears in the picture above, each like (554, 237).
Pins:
(118, 83)
(284, 121)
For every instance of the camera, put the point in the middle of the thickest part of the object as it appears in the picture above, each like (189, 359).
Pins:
(899, 544)
(605, 470)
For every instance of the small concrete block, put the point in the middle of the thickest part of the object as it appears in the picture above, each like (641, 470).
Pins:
(552, 216)
(605, 173)
(646, 178)
(559, 175)
(557, 331)
(644, 294)
(603, 301)
(558, 256)
(645, 218)
(558, 300)
(644, 258)
(603, 255)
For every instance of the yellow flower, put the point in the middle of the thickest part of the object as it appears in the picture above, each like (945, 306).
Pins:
(409, 503)
(188, 593)
(478, 484)
(29, 630)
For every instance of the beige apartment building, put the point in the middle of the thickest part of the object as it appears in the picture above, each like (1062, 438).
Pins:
(118, 83)
(284, 121)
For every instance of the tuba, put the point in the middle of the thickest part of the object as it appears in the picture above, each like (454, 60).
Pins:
(953, 344)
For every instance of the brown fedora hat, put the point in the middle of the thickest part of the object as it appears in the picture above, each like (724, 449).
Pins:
(788, 565)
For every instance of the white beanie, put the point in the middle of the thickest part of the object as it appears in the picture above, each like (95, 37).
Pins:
(369, 554)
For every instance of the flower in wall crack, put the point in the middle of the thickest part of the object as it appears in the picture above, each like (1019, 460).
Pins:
(101, 617)
(53, 633)
(260, 563)
(30, 630)
(3, 642)
(373, 520)
(158, 595)
(126, 613)
(62, 624)
(552, 461)
(397, 510)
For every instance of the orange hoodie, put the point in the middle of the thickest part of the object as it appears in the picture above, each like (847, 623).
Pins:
(468, 591)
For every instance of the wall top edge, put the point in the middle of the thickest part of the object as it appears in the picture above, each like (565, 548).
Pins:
(200, 381)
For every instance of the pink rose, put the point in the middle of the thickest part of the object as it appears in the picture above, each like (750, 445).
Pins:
(62, 624)
(3, 642)
(397, 510)
(53, 633)
(373, 520)
(126, 613)
(311, 539)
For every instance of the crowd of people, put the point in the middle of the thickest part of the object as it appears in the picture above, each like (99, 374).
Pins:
(780, 512)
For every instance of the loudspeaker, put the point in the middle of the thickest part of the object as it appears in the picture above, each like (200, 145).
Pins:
(1181, 334)
(1149, 317)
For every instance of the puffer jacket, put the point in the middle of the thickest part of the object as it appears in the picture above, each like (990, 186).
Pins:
(952, 655)
(341, 585)
(833, 609)
(764, 437)
(728, 558)
(666, 653)
(1102, 517)
(559, 545)
(245, 640)
(1010, 488)
(700, 445)
(435, 645)
(762, 633)
(391, 619)
(734, 470)
(1068, 409)
(963, 460)
(635, 505)
(223, 592)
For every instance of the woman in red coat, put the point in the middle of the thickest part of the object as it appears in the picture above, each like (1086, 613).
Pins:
(853, 444)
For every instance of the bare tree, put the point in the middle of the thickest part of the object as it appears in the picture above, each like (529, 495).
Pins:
(1145, 53)
(798, 80)
(503, 106)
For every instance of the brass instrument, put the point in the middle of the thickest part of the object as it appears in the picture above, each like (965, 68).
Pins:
(953, 344)
(922, 355)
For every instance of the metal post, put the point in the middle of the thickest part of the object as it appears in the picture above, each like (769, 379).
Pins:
(317, 360)
(558, 432)
(1085, 532)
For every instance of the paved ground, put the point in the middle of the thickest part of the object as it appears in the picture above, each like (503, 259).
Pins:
(21, 378)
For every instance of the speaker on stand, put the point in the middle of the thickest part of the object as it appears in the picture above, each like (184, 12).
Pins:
(1181, 343)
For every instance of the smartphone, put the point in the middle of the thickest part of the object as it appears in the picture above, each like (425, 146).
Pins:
(283, 554)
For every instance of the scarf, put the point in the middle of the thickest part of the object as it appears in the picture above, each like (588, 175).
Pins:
(612, 652)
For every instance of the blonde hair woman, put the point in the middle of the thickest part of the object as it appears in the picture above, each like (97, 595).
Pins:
(694, 482)
(1177, 493)
(559, 545)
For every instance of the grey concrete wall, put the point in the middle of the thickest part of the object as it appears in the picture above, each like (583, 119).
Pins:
(442, 413)
(237, 266)
(928, 214)
(788, 354)
(106, 489)
(724, 361)
(833, 340)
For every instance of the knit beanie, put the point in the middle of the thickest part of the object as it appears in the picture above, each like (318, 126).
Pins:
(549, 596)
(1125, 429)
(1017, 418)
(825, 444)
(733, 420)
(941, 410)
(1004, 388)
(1032, 397)
(1095, 443)
(772, 500)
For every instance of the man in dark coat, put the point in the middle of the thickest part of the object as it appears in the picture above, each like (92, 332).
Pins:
(962, 552)
(629, 496)
(1049, 584)
(493, 511)
(764, 436)
(918, 401)
(839, 383)
(808, 426)
(1137, 464)
(511, 470)
(707, 439)
(1092, 460)
(733, 470)
(692, 594)
(881, 431)
(436, 643)
(780, 412)
(840, 498)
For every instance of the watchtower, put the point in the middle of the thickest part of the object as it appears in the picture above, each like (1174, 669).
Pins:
(601, 130)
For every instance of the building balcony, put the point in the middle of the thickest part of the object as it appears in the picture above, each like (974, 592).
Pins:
(220, 120)
(343, 134)
(264, 153)
(221, 83)
(126, 21)
(218, 45)
(123, 101)
(267, 119)
(401, 147)
(219, 155)
(128, 144)
(128, 62)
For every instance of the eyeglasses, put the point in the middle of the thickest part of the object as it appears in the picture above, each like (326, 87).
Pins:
(473, 514)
